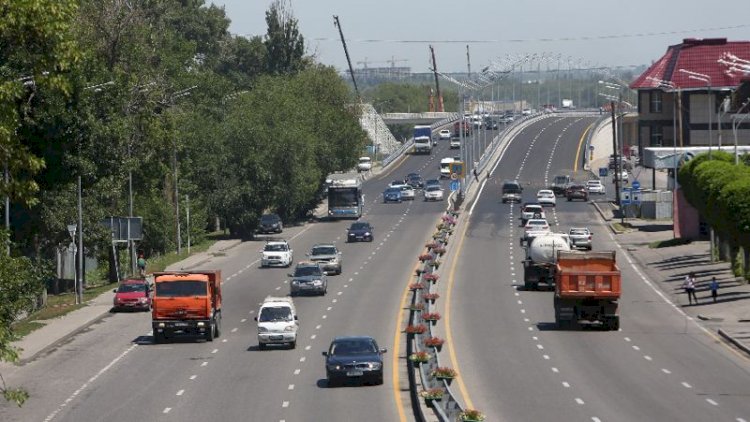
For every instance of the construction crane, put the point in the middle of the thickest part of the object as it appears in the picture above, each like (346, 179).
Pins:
(437, 82)
(337, 24)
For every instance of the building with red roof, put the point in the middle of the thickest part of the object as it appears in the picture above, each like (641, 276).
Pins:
(681, 95)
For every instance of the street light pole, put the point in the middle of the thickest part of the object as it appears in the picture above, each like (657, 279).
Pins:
(707, 79)
(735, 121)
(6, 178)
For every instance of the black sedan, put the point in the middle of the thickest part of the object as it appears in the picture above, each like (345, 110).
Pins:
(415, 181)
(354, 358)
(270, 223)
(359, 231)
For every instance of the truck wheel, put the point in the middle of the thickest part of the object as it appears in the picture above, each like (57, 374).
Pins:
(210, 333)
(159, 338)
(613, 324)
(218, 326)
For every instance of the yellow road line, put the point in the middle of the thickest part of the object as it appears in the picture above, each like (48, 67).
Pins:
(397, 349)
(448, 335)
(578, 151)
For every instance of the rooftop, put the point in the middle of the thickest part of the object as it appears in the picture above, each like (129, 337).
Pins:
(699, 56)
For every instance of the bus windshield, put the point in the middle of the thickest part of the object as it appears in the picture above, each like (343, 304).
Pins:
(343, 197)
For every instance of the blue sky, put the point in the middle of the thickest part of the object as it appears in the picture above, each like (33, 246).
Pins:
(378, 31)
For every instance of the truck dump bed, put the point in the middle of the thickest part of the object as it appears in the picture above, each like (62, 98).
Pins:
(587, 275)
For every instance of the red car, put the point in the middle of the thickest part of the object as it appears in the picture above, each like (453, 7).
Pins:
(133, 294)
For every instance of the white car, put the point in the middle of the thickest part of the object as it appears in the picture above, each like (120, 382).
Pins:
(623, 178)
(364, 164)
(546, 197)
(595, 186)
(433, 193)
(530, 211)
(407, 192)
(276, 253)
(533, 228)
(445, 134)
(277, 322)
(455, 143)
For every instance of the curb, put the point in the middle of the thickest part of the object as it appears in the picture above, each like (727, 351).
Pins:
(235, 243)
(63, 339)
(734, 341)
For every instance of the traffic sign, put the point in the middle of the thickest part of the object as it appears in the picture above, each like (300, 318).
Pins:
(457, 168)
(455, 185)
(636, 184)
(454, 176)
(603, 171)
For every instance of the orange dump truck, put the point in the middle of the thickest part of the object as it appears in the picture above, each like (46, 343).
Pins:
(587, 287)
(186, 304)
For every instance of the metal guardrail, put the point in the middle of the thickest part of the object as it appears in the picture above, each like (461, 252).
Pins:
(601, 121)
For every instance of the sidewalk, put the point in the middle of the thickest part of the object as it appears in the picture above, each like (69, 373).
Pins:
(666, 267)
(45, 339)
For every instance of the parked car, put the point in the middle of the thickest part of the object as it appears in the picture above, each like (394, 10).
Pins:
(270, 223)
(580, 237)
(392, 195)
(328, 256)
(359, 231)
(596, 186)
(354, 358)
(433, 193)
(308, 277)
(546, 197)
(445, 134)
(132, 294)
(364, 164)
(577, 191)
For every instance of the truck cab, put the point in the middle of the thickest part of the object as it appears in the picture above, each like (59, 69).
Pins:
(277, 322)
(186, 303)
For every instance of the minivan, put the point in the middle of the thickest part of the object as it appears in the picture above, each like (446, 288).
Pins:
(512, 191)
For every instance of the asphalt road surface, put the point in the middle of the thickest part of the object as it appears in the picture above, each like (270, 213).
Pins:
(516, 365)
(114, 372)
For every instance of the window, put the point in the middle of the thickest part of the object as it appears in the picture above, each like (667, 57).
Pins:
(655, 102)
(656, 136)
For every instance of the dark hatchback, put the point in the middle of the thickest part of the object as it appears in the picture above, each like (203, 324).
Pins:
(270, 223)
(359, 231)
(416, 181)
(392, 195)
(577, 192)
(354, 358)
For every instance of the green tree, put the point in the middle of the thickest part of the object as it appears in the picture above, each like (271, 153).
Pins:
(285, 45)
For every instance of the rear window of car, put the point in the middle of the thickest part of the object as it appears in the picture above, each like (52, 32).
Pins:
(537, 223)
(511, 188)
(579, 231)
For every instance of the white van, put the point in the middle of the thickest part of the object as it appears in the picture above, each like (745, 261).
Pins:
(364, 164)
(277, 322)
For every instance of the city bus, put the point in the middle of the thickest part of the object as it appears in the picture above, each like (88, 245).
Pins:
(345, 198)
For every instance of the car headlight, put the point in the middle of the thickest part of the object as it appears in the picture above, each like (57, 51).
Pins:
(142, 299)
(201, 323)
(262, 329)
(161, 325)
(367, 233)
(289, 328)
(295, 282)
(317, 282)
(374, 365)
(334, 367)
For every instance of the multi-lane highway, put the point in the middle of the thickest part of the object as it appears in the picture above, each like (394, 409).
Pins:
(114, 372)
(516, 365)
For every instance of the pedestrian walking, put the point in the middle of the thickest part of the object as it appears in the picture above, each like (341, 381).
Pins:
(689, 286)
(141, 263)
(714, 286)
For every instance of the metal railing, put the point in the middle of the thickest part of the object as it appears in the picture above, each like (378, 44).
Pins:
(377, 130)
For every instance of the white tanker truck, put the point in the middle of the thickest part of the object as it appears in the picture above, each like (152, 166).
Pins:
(541, 258)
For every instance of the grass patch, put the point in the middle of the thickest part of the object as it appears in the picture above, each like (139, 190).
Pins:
(669, 242)
(25, 327)
(622, 227)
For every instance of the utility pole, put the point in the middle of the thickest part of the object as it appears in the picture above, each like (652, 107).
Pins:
(177, 201)
(468, 60)
(437, 81)
(337, 24)
(6, 179)
(614, 153)
(187, 218)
